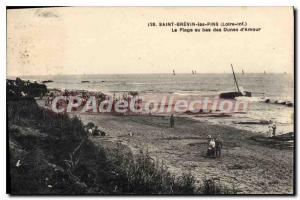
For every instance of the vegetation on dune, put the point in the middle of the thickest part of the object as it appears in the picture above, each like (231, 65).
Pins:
(16, 89)
(51, 154)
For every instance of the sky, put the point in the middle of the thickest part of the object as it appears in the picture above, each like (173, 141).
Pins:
(117, 40)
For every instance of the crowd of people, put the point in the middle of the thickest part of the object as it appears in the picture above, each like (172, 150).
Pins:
(85, 95)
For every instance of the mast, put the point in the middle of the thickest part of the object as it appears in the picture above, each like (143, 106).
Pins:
(236, 83)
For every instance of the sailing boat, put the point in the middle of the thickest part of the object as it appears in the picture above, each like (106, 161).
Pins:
(174, 72)
(238, 93)
(243, 72)
(84, 81)
(193, 72)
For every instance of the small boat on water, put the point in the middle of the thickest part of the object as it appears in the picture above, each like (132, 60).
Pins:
(85, 81)
(238, 93)
(47, 81)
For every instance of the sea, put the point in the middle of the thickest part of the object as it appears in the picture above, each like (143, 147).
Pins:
(276, 87)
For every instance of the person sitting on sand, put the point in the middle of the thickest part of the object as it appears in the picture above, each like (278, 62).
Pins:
(211, 146)
(219, 145)
(172, 121)
(90, 131)
(96, 131)
(102, 133)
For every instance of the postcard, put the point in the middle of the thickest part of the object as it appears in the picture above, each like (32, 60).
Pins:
(150, 100)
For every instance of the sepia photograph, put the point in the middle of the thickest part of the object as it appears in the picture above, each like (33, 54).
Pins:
(150, 100)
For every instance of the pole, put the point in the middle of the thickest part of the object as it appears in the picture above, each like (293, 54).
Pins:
(237, 86)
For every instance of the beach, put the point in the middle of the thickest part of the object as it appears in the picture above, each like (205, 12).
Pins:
(251, 161)
(247, 165)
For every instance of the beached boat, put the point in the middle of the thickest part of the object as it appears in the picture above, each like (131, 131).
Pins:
(286, 103)
(238, 93)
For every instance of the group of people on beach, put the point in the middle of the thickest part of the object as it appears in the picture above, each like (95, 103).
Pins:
(99, 97)
(215, 146)
(67, 93)
(95, 131)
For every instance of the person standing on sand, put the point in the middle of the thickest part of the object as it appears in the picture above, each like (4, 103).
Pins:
(219, 146)
(172, 121)
(274, 130)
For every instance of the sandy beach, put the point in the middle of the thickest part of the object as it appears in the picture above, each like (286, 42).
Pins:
(251, 167)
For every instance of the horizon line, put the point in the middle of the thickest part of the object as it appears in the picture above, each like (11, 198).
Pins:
(146, 74)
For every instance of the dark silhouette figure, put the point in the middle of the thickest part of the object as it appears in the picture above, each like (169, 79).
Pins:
(172, 121)
(219, 146)
(274, 130)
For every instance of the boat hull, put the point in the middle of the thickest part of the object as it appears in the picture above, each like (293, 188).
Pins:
(232, 95)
